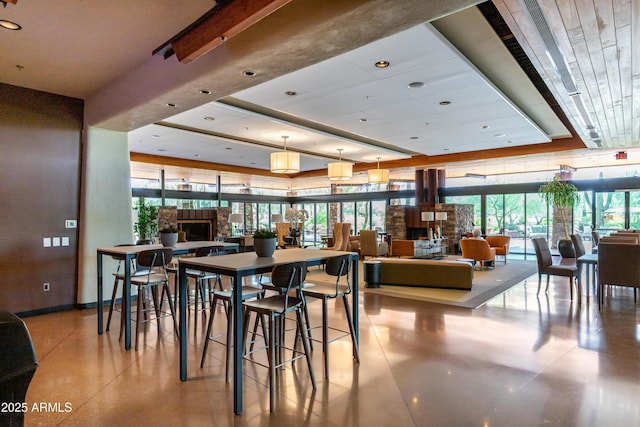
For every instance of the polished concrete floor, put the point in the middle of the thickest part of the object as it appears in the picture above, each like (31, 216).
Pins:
(519, 360)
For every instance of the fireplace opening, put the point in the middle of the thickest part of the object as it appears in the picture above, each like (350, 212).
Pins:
(196, 231)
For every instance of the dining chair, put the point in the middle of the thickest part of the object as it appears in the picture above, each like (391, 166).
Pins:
(155, 261)
(337, 267)
(289, 278)
(578, 245)
(618, 265)
(566, 268)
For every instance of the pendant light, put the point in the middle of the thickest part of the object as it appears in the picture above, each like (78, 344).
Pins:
(378, 176)
(285, 161)
(340, 170)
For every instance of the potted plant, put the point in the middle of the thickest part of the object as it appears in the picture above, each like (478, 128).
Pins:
(563, 195)
(147, 222)
(168, 235)
(264, 242)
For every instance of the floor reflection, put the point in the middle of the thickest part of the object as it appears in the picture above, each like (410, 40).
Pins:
(517, 360)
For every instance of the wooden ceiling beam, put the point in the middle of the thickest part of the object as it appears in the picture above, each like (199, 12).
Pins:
(196, 164)
(420, 160)
(226, 21)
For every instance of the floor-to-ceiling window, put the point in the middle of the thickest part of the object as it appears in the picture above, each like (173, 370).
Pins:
(610, 211)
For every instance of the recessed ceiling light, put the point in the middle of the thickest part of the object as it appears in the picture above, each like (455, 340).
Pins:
(416, 85)
(509, 142)
(485, 126)
(249, 73)
(9, 25)
(228, 148)
(446, 149)
(155, 136)
(291, 93)
(196, 155)
(499, 135)
(205, 92)
(171, 105)
(209, 118)
(414, 137)
(161, 149)
(382, 64)
(445, 102)
(364, 119)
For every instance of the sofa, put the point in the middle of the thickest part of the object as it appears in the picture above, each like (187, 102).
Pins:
(426, 272)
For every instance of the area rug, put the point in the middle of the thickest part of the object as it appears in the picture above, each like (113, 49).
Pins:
(486, 285)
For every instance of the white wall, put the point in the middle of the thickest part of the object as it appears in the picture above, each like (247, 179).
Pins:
(105, 218)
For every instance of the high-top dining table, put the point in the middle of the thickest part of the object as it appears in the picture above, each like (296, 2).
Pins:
(238, 266)
(127, 254)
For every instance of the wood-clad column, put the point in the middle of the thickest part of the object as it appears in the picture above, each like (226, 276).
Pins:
(441, 183)
(432, 186)
(419, 184)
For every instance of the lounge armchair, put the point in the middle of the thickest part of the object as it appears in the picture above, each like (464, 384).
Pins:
(369, 245)
(341, 232)
(479, 251)
(501, 244)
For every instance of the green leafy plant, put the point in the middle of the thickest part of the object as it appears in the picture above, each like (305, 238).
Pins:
(264, 234)
(147, 222)
(563, 196)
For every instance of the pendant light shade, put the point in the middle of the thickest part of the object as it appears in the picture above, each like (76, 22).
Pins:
(285, 161)
(378, 176)
(340, 170)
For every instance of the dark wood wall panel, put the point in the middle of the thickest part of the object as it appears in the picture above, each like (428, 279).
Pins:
(40, 142)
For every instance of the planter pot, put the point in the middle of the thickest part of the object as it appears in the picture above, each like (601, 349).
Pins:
(169, 239)
(566, 249)
(265, 247)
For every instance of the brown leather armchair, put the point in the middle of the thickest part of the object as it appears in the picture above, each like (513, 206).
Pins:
(479, 251)
(501, 244)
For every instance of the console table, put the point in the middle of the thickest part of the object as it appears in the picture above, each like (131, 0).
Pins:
(428, 248)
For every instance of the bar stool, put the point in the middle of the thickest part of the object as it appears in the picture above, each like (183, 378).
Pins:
(155, 260)
(202, 279)
(338, 267)
(226, 298)
(288, 278)
(119, 277)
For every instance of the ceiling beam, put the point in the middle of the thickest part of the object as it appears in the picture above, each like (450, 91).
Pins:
(196, 164)
(418, 161)
(225, 21)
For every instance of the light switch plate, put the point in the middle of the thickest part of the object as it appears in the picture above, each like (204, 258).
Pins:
(46, 242)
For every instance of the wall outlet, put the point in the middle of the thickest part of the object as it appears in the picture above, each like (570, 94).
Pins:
(46, 286)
